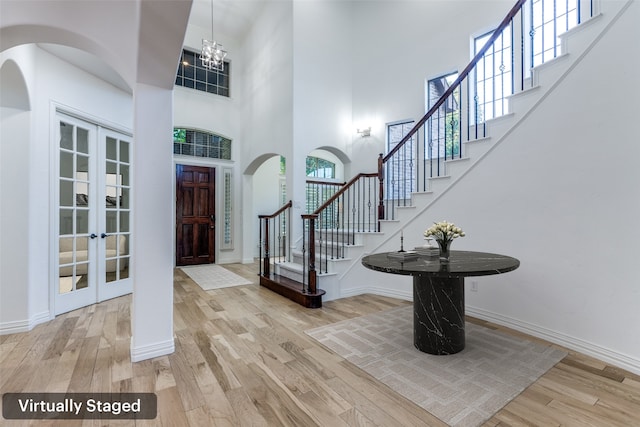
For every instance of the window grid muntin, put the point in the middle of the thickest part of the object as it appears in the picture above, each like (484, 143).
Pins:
(493, 78)
(195, 143)
(192, 74)
(401, 173)
(117, 207)
(443, 129)
(320, 168)
(548, 20)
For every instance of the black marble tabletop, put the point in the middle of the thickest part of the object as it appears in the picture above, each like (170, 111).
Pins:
(461, 264)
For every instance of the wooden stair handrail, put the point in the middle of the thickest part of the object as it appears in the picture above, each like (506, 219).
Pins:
(344, 188)
(278, 212)
(337, 184)
(498, 31)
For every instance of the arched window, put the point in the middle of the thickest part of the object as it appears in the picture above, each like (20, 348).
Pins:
(195, 143)
(320, 168)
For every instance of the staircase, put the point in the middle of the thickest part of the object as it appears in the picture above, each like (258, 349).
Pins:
(368, 214)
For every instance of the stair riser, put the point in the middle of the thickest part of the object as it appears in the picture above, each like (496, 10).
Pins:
(336, 238)
(351, 238)
(475, 149)
(291, 274)
(455, 168)
(324, 265)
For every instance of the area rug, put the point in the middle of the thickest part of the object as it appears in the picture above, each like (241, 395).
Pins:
(464, 389)
(213, 276)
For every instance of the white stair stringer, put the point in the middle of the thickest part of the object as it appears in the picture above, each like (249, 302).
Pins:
(356, 279)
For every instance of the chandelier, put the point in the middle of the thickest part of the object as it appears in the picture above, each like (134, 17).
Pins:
(213, 53)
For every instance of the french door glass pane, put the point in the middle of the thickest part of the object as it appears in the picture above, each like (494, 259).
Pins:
(82, 221)
(66, 136)
(112, 149)
(111, 221)
(124, 151)
(66, 193)
(66, 221)
(124, 174)
(124, 199)
(66, 165)
(117, 190)
(74, 212)
(83, 141)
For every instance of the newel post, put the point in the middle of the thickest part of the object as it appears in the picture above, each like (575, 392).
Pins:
(381, 187)
(260, 245)
(313, 287)
(265, 261)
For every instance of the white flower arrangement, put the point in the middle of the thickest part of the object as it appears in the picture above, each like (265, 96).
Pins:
(444, 232)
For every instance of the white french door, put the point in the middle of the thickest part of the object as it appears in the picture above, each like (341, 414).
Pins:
(93, 214)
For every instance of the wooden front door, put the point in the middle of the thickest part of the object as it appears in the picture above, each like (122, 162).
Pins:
(195, 215)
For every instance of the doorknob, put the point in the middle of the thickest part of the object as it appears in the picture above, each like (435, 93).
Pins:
(93, 235)
(103, 235)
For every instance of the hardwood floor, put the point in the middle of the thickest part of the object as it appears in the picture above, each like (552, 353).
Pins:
(242, 359)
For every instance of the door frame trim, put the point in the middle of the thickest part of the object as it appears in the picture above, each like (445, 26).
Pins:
(216, 164)
(214, 171)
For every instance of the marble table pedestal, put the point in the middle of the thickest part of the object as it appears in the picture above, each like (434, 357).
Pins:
(438, 314)
(438, 292)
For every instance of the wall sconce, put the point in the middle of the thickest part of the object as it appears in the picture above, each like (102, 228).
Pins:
(364, 132)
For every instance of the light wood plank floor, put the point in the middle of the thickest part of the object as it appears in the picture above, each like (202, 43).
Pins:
(242, 359)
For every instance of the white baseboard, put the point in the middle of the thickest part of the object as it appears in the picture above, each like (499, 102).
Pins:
(617, 359)
(15, 327)
(152, 350)
(18, 326)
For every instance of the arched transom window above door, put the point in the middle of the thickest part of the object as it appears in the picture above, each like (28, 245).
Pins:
(195, 143)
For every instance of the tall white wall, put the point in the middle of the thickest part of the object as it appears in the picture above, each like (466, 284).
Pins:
(322, 98)
(560, 194)
(267, 107)
(567, 207)
(397, 47)
(267, 89)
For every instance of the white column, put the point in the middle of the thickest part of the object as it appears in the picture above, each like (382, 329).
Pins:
(152, 308)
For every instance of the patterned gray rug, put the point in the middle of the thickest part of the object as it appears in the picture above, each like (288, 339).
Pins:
(463, 389)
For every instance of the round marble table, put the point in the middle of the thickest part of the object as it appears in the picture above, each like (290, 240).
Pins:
(438, 292)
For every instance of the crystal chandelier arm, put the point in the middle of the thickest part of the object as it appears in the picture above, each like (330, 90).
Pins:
(213, 53)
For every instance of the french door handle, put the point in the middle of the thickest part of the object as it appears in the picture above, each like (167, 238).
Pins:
(103, 235)
(93, 235)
